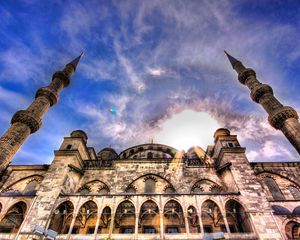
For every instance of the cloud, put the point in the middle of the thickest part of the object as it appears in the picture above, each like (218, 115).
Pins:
(151, 60)
(135, 80)
(156, 72)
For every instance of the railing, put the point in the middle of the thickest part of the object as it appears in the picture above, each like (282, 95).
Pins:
(96, 164)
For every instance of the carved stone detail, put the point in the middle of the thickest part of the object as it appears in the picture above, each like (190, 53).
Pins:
(49, 94)
(245, 74)
(63, 76)
(277, 118)
(259, 91)
(28, 118)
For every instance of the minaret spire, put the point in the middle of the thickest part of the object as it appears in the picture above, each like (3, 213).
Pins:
(281, 117)
(231, 59)
(25, 122)
(75, 61)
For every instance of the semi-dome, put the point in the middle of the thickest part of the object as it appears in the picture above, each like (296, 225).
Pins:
(107, 154)
(80, 134)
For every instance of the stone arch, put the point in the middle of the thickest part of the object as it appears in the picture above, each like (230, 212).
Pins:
(62, 217)
(151, 199)
(139, 183)
(149, 220)
(273, 187)
(207, 185)
(295, 192)
(131, 189)
(169, 189)
(193, 220)
(93, 187)
(85, 221)
(212, 218)
(237, 218)
(21, 184)
(173, 217)
(125, 218)
(105, 220)
(13, 218)
(292, 230)
(275, 175)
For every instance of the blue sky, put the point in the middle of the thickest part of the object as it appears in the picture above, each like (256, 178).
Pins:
(153, 61)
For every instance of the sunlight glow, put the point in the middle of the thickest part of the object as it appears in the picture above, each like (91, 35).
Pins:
(188, 128)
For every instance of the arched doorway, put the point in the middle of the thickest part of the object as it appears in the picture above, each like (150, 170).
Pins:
(86, 219)
(149, 220)
(13, 218)
(173, 218)
(193, 220)
(62, 217)
(105, 221)
(125, 218)
(238, 220)
(212, 218)
(292, 230)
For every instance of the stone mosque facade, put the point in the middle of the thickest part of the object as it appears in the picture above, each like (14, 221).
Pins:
(149, 191)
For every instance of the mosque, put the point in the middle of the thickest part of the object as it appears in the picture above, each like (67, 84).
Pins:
(149, 191)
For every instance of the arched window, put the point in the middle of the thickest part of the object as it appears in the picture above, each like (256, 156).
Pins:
(197, 189)
(30, 187)
(206, 185)
(169, 189)
(130, 189)
(212, 218)
(193, 220)
(273, 188)
(295, 192)
(86, 219)
(13, 218)
(292, 230)
(62, 217)
(149, 185)
(238, 219)
(149, 155)
(125, 218)
(104, 190)
(84, 191)
(105, 221)
(149, 218)
(173, 218)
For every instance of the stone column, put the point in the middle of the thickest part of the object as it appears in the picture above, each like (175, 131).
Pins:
(161, 221)
(281, 117)
(25, 122)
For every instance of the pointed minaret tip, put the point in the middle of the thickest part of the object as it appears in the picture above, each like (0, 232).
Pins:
(75, 61)
(231, 59)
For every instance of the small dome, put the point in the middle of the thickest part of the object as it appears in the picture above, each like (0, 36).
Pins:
(107, 154)
(79, 134)
(221, 132)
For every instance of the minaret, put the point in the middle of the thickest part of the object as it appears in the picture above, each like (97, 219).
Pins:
(28, 121)
(281, 117)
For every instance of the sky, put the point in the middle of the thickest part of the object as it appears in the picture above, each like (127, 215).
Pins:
(158, 64)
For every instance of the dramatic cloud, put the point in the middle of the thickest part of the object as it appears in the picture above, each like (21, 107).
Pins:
(153, 62)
